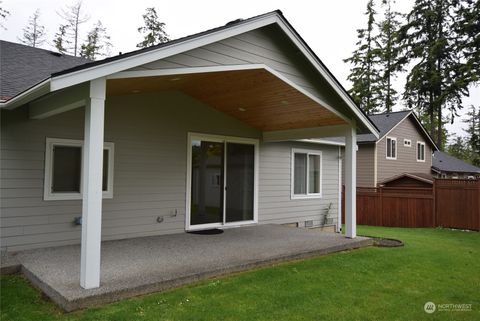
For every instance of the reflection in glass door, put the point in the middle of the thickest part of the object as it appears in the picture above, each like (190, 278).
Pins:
(240, 182)
(207, 182)
(222, 182)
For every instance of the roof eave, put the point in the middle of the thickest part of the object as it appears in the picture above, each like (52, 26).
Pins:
(34, 92)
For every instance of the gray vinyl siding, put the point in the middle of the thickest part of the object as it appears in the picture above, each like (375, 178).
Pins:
(266, 45)
(406, 161)
(275, 203)
(150, 136)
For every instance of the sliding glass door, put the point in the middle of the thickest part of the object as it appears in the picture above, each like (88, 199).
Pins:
(222, 181)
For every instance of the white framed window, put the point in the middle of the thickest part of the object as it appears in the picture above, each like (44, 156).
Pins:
(64, 167)
(420, 151)
(391, 148)
(306, 174)
(407, 143)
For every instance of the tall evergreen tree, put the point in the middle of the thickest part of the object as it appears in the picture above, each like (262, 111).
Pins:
(34, 32)
(153, 31)
(390, 54)
(4, 13)
(458, 148)
(364, 75)
(74, 17)
(467, 26)
(473, 134)
(60, 41)
(436, 81)
(97, 43)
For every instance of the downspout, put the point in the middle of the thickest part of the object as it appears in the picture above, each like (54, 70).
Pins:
(339, 214)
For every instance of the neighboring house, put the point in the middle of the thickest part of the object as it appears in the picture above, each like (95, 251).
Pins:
(403, 146)
(197, 133)
(447, 166)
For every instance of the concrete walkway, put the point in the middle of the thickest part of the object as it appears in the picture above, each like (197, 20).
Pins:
(143, 265)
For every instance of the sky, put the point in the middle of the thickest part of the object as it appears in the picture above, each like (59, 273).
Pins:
(329, 27)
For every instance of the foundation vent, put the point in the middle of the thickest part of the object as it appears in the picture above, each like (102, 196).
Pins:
(309, 223)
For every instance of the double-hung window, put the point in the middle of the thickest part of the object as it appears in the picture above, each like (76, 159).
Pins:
(391, 148)
(306, 173)
(63, 169)
(420, 151)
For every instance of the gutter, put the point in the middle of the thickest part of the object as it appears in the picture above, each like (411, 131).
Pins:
(27, 95)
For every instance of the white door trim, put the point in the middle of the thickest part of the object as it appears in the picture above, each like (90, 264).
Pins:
(225, 139)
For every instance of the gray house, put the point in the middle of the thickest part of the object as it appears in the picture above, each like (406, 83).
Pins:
(403, 146)
(197, 133)
(447, 166)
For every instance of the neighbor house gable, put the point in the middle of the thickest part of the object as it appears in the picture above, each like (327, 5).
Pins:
(406, 157)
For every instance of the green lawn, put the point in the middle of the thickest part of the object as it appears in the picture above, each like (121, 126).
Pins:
(441, 266)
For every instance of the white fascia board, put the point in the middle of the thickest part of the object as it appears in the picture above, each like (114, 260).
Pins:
(313, 60)
(115, 66)
(28, 95)
(321, 142)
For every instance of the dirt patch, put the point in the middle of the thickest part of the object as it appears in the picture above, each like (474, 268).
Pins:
(384, 242)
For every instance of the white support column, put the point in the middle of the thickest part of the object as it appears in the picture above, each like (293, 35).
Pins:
(351, 182)
(92, 185)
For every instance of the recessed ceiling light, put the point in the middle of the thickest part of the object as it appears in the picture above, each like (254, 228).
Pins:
(135, 91)
(175, 79)
(241, 109)
(284, 102)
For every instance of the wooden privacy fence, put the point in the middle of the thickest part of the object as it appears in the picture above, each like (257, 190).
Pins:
(448, 203)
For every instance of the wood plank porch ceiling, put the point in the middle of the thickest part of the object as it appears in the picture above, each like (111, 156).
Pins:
(255, 97)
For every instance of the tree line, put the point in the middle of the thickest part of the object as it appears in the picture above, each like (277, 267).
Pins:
(96, 44)
(437, 46)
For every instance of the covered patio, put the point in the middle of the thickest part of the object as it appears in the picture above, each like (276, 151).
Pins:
(138, 266)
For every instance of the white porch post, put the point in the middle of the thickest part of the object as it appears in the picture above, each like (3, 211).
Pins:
(92, 185)
(351, 182)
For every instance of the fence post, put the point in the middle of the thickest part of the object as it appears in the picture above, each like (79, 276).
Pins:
(381, 205)
(434, 200)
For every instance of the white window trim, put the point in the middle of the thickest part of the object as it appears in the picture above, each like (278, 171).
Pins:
(386, 148)
(292, 174)
(223, 139)
(48, 195)
(424, 152)
(407, 142)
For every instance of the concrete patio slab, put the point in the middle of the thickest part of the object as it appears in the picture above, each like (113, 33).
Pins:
(142, 265)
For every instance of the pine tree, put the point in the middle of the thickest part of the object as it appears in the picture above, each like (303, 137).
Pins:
(97, 43)
(4, 13)
(74, 17)
(364, 75)
(436, 81)
(153, 30)
(473, 134)
(60, 42)
(459, 149)
(34, 32)
(390, 54)
(467, 26)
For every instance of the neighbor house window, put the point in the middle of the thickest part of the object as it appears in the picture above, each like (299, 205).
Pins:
(420, 151)
(63, 169)
(391, 148)
(306, 173)
(407, 143)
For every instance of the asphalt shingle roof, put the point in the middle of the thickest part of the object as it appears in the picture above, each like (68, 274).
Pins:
(447, 163)
(22, 67)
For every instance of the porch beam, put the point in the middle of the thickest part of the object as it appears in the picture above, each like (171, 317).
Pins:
(59, 102)
(351, 182)
(92, 185)
(305, 133)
